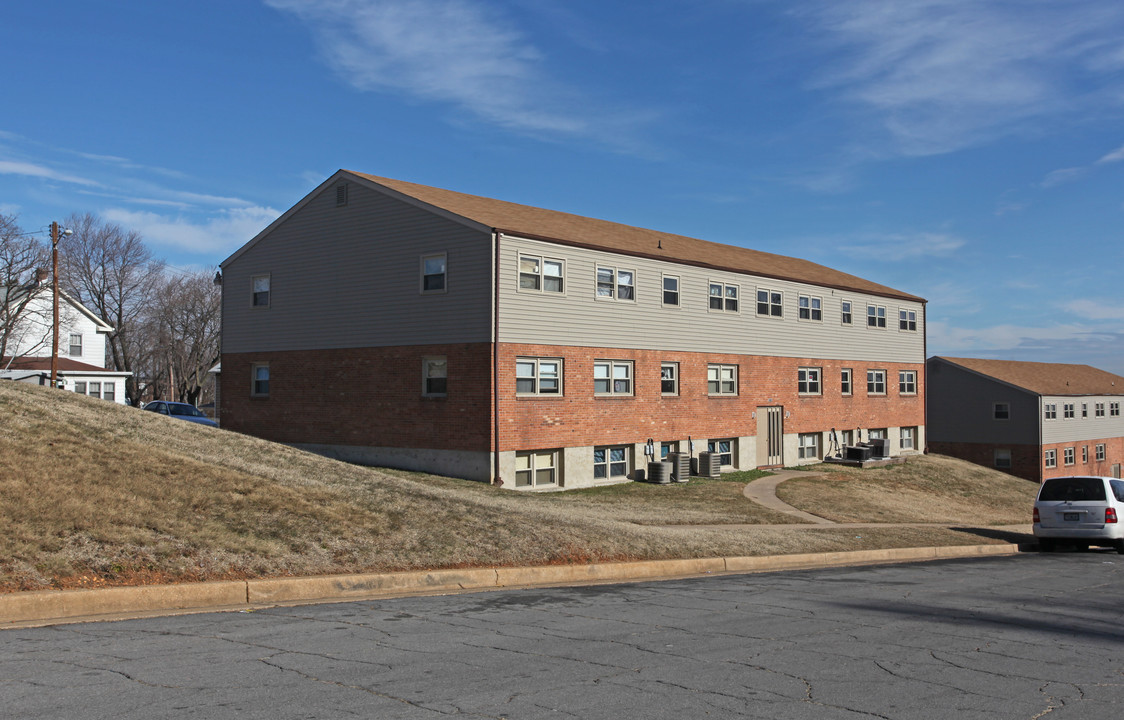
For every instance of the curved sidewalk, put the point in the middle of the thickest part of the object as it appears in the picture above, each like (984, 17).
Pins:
(763, 491)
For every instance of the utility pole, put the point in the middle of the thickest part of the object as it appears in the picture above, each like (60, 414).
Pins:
(55, 301)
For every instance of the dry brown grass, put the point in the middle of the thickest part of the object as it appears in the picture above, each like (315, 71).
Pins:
(927, 488)
(94, 494)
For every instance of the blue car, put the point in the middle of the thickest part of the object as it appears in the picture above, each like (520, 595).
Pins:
(183, 411)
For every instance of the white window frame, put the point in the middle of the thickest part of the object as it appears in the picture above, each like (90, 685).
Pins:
(846, 312)
(1114, 409)
(907, 382)
(256, 291)
(715, 447)
(73, 345)
(809, 308)
(846, 381)
(615, 286)
(1084, 454)
(255, 379)
(1001, 411)
(1001, 459)
(613, 377)
(727, 302)
(1050, 458)
(669, 372)
(718, 370)
(808, 446)
(1068, 411)
(540, 276)
(1050, 411)
(907, 320)
(876, 316)
(94, 389)
(109, 391)
(80, 387)
(874, 378)
(1069, 456)
(425, 273)
(549, 462)
(434, 389)
(809, 381)
(907, 438)
(772, 304)
(1098, 409)
(536, 377)
(677, 292)
(615, 469)
(1084, 410)
(1099, 449)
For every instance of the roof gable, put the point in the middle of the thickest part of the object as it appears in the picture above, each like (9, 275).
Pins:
(1044, 378)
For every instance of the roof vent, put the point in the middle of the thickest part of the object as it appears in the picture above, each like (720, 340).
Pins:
(341, 195)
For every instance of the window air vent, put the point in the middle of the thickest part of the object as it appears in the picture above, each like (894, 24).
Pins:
(341, 195)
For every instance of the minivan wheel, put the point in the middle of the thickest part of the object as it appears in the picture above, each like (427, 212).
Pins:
(1045, 545)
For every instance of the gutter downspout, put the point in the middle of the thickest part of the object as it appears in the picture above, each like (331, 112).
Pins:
(496, 479)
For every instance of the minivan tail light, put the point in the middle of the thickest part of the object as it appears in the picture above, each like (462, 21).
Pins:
(1036, 516)
(1109, 515)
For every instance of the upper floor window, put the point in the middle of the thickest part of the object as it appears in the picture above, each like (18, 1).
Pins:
(76, 344)
(875, 316)
(723, 297)
(907, 382)
(722, 379)
(770, 303)
(847, 314)
(259, 379)
(433, 273)
(612, 377)
(1084, 410)
(538, 376)
(669, 378)
(540, 274)
(810, 308)
(845, 381)
(875, 382)
(434, 376)
(808, 381)
(1001, 411)
(907, 319)
(1050, 411)
(1114, 409)
(1099, 409)
(615, 283)
(670, 290)
(1067, 410)
(260, 287)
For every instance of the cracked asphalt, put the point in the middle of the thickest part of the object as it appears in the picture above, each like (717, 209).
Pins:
(1032, 636)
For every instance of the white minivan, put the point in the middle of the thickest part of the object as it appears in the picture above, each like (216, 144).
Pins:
(1082, 511)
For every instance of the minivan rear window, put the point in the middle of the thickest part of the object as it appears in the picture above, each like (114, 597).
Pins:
(1073, 489)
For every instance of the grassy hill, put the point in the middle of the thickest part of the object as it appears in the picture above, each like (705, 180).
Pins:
(96, 494)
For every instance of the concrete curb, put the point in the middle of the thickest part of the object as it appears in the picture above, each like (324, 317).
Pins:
(48, 607)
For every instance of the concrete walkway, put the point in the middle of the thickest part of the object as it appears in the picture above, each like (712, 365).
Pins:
(763, 491)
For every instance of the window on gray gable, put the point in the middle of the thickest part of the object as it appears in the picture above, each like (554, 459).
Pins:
(260, 287)
(433, 273)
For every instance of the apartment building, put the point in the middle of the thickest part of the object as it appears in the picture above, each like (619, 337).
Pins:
(1031, 419)
(396, 324)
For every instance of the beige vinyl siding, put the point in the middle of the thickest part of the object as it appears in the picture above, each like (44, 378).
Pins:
(961, 408)
(1078, 428)
(350, 277)
(578, 317)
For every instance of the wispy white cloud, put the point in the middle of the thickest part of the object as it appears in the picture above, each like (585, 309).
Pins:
(898, 247)
(11, 167)
(454, 51)
(1115, 156)
(1067, 343)
(1062, 176)
(1095, 310)
(222, 233)
(947, 74)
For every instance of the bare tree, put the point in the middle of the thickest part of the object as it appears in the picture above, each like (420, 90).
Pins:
(22, 257)
(185, 324)
(112, 272)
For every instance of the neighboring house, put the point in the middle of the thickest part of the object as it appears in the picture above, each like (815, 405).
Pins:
(396, 324)
(1034, 420)
(81, 359)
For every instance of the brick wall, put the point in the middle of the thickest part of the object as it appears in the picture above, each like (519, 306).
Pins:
(1028, 461)
(579, 418)
(1114, 454)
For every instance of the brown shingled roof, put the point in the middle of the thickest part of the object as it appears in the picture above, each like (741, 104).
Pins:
(537, 223)
(65, 364)
(1046, 378)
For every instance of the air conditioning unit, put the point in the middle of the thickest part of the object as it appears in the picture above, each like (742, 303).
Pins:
(710, 465)
(881, 447)
(659, 472)
(859, 452)
(680, 466)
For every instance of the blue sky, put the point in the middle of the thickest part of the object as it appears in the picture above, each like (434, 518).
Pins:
(968, 151)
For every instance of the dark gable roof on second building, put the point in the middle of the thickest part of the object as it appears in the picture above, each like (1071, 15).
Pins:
(537, 223)
(1045, 378)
